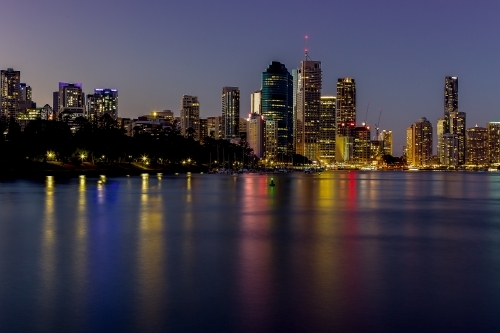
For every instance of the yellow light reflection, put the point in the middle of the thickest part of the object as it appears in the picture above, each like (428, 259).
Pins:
(151, 258)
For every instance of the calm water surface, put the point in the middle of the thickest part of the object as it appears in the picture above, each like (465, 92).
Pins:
(336, 252)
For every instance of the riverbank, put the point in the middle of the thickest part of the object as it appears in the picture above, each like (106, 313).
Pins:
(30, 170)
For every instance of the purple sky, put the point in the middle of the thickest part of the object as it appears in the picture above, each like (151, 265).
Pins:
(153, 51)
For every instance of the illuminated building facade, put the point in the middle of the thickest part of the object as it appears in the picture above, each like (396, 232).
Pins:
(385, 138)
(230, 112)
(346, 106)
(25, 98)
(327, 129)
(362, 145)
(10, 81)
(450, 100)
(277, 102)
(457, 127)
(190, 116)
(255, 102)
(440, 131)
(450, 147)
(203, 129)
(477, 146)
(419, 143)
(255, 134)
(70, 96)
(103, 101)
(271, 139)
(494, 142)
(309, 83)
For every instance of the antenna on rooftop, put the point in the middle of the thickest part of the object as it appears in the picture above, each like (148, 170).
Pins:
(307, 49)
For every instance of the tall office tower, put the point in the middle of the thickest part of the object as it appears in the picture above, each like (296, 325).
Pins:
(419, 142)
(203, 129)
(190, 116)
(308, 106)
(70, 95)
(25, 98)
(450, 100)
(494, 142)
(103, 101)
(385, 137)
(477, 146)
(361, 145)
(457, 126)
(218, 126)
(327, 127)
(450, 149)
(255, 102)
(271, 139)
(255, 134)
(243, 128)
(9, 92)
(408, 151)
(346, 106)
(230, 112)
(211, 127)
(277, 102)
(440, 130)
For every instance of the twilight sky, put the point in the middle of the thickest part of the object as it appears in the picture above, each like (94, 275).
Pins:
(153, 51)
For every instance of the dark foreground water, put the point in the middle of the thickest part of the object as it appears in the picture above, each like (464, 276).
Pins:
(337, 252)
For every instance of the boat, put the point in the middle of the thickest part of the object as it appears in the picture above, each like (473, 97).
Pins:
(493, 169)
(369, 168)
(413, 169)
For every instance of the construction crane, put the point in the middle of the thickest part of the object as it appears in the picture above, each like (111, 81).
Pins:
(377, 128)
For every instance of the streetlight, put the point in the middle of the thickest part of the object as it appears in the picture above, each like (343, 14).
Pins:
(82, 157)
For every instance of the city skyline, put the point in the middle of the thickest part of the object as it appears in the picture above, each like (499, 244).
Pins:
(400, 70)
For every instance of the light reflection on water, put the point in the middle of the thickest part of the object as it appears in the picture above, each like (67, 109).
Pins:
(355, 251)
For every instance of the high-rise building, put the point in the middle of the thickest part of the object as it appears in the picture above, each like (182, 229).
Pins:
(457, 127)
(243, 128)
(346, 106)
(230, 112)
(55, 103)
(327, 128)
(450, 149)
(309, 83)
(190, 116)
(203, 129)
(494, 142)
(10, 81)
(477, 146)
(103, 101)
(450, 100)
(255, 102)
(70, 95)
(277, 102)
(255, 134)
(385, 137)
(440, 130)
(25, 98)
(361, 145)
(270, 139)
(419, 143)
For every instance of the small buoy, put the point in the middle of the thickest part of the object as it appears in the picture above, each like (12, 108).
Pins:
(272, 182)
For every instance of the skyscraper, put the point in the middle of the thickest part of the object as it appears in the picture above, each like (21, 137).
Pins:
(419, 143)
(361, 144)
(309, 83)
(70, 95)
(277, 103)
(230, 112)
(494, 142)
(190, 116)
(103, 101)
(477, 146)
(255, 134)
(450, 100)
(450, 148)
(10, 81)
(270, 139)
(327, 129)
(346, 106)
(440, 131)
(255, 102)
(385, 137)
(457, 127)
